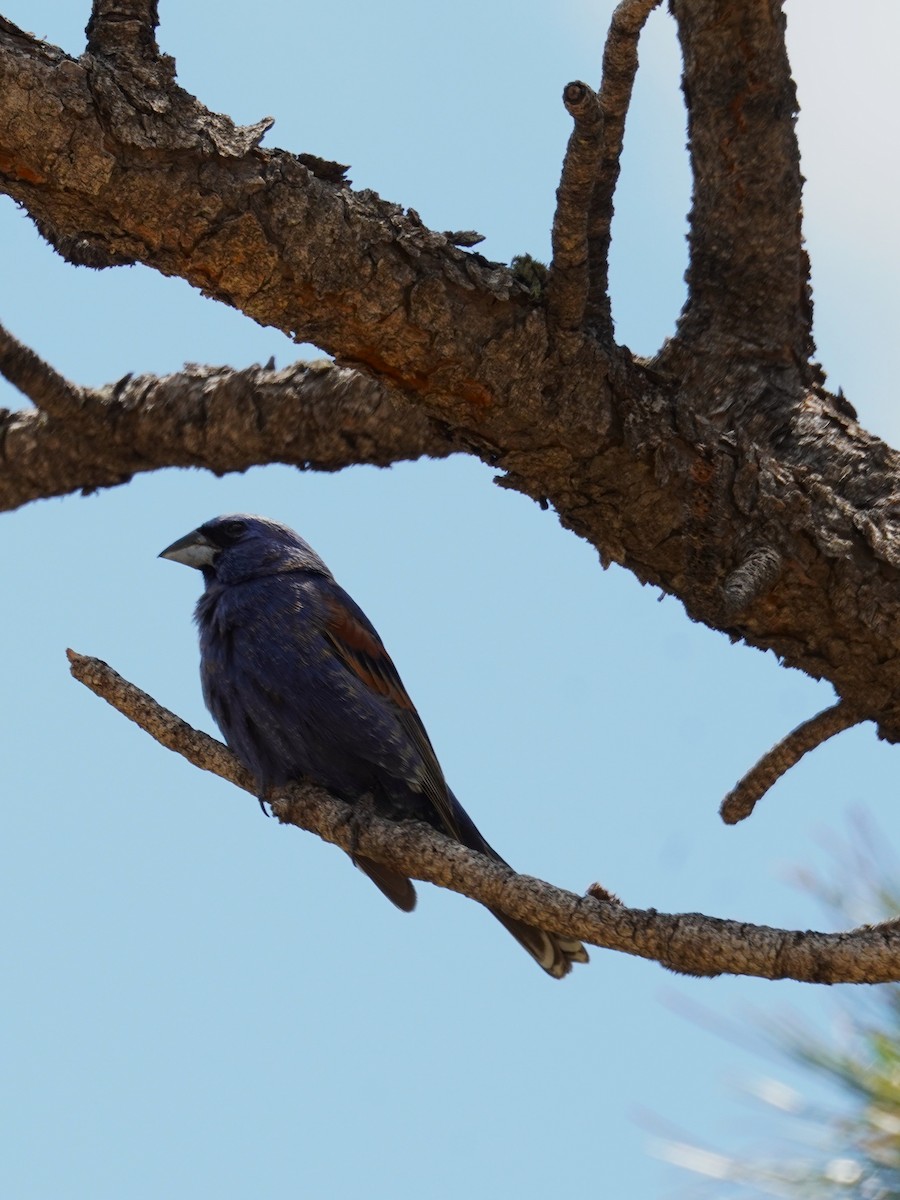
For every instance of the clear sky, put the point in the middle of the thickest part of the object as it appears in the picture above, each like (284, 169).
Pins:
(198, 1002)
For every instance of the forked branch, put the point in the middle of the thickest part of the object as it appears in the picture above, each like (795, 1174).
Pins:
(686, 942)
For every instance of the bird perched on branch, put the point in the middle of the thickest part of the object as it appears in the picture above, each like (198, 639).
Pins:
(302, 688)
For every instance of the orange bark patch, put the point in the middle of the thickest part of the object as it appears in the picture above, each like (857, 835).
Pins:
(19, 170)
(476, 393)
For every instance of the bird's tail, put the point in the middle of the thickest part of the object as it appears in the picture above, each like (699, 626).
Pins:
(550, 951)
(554, 953)
(398, 889)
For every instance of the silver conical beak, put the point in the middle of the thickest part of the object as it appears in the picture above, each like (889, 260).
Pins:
(193, 550)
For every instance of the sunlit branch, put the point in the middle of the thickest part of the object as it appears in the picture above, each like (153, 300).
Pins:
(686, 942)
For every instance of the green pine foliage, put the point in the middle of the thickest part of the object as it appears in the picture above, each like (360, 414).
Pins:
(842, 1132)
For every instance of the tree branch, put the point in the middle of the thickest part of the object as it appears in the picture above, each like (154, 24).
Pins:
(620, 64)
(37, 380)
(123, 27)
(315, 416)
(578, 287)
(686, 942)
(749, 273)
(567, 285)
(675, 472)
(243, 224)
(743, 797)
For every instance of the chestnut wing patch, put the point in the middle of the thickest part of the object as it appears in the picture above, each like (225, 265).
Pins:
(362, 652)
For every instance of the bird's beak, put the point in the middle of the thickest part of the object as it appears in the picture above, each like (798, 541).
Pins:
(194, 550)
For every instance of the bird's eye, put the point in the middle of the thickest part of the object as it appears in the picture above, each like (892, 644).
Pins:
(234, 529)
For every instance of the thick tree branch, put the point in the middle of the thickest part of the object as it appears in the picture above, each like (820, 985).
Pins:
(749, 273)
(123, 27)
(679, 474)
(744, 796)
(116, 163)
(686, 942)
(317, 417)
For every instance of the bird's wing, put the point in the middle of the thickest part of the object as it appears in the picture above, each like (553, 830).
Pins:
(360, 649)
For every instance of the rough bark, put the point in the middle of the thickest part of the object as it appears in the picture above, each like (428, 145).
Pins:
(747, 792)
(686, 942)
(722, 471)
(748, 278)
(620, 64)
(315, 416)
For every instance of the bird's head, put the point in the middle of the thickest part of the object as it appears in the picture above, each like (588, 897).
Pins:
(239, 546)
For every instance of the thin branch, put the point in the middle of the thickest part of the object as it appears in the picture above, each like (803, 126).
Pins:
(620, 64)
(314, 416)
(567, 285)
(578, 287)
(687, 942)
(742, 799)
(37, 380)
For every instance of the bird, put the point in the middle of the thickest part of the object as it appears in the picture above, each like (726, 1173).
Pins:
(302, 688)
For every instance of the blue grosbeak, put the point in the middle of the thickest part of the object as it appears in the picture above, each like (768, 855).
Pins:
(302, 688)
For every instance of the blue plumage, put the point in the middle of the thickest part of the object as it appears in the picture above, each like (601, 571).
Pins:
(301, 686)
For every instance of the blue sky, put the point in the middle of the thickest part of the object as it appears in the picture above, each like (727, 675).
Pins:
(199, 1002)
